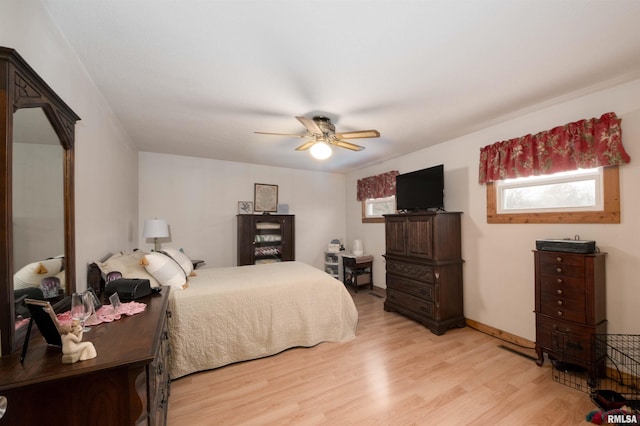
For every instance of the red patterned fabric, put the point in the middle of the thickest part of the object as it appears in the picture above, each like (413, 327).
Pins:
(581, 145)
(378, 186)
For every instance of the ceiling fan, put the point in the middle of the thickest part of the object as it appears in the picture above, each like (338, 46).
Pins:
(323, 134)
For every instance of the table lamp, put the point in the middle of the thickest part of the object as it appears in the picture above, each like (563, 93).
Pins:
(155, 228)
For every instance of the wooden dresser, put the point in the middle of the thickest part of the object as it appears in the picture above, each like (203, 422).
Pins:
(570, 302)
(126, 384)
(424, 268)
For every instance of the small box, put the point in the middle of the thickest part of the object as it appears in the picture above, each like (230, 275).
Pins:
(333, 248)
(567, 246)
(283, 209)
(363, 279)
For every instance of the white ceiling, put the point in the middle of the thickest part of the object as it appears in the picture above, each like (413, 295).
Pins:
(197, 78)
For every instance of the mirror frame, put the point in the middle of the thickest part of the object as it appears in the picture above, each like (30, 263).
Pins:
(21, 87)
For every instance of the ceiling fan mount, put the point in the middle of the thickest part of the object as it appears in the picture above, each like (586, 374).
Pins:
(325, 124)
(320, 129)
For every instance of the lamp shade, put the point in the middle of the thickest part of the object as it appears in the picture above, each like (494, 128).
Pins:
(155, 228)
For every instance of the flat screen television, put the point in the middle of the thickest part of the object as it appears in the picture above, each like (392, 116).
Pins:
(421, 190)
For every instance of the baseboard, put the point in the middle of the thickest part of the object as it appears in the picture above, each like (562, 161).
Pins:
(500, 334)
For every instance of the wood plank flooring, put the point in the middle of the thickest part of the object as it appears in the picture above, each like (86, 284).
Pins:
(395, 372)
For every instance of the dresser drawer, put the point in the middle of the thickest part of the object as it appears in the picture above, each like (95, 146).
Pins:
(411, 270)
(159, 381)
(414, 288)
(568, 284)
(566, 341)
(406, 302)
(562, 258)
(563, 308)
(569, 265)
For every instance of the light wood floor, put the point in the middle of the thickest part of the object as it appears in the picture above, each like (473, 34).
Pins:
(395, 372)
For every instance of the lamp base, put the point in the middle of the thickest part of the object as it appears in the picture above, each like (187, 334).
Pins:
(156, 245)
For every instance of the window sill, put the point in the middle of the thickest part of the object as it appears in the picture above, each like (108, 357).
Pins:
(373, 220)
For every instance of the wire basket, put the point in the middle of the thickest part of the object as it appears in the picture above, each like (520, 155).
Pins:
(577, 363)
(619, 382)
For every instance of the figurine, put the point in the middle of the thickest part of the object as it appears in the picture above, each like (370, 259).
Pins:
(73, 348)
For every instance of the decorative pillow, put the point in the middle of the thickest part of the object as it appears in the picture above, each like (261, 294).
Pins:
(128, 264)
(165, 270)
(180, 258)
(32, 274)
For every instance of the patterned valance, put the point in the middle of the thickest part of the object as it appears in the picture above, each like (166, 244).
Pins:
(581, 145)
(379, 186)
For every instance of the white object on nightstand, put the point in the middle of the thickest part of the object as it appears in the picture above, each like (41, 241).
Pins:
(357, 248)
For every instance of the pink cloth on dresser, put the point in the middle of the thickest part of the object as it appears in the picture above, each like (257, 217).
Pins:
(106, 314)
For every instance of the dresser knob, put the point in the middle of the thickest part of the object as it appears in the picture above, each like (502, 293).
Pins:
(559, 313)
(559, 302)
(559, 291)
(559, 280)
(558, 270)
(558, 259)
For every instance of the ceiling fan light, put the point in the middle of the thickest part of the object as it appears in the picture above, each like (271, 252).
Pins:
(321, 151)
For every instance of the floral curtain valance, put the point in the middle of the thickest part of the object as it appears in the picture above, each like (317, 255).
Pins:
(383, 185)
(584, 144)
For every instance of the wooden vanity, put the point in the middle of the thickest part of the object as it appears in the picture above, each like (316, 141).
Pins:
(126, 384)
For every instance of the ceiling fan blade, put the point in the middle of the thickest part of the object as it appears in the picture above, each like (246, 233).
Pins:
(311, 125)
(358, 134)
(305, 146)
(282, 134)
(348, 145)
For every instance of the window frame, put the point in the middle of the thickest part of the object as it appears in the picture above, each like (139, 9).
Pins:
(375, 219)
(610, 213)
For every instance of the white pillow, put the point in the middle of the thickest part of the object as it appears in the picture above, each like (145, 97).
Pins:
(180, 258)
(165, 270)
(128, 264)
(33, 273)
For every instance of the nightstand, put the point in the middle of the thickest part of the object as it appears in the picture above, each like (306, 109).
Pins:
(358, 270)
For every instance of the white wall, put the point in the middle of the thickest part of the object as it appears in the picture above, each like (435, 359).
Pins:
(498, 269)
(199, 198)
(106, 192)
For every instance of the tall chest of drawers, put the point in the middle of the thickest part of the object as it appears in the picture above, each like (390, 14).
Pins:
(424, 268)
(570, 304)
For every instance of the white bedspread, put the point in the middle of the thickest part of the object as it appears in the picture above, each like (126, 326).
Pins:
(241, 313)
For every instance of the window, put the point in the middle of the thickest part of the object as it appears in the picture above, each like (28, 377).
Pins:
(373, 209)
(377, 195)
(577, 190)
(582, 196)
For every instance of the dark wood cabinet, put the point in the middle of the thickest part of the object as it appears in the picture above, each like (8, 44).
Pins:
(265, 238)
(126, 384)
(424, 268)
(570, 301)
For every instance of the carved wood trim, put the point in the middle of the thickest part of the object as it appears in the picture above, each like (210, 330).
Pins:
(410, 270)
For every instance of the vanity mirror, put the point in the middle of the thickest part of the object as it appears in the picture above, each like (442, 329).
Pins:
(37, 188)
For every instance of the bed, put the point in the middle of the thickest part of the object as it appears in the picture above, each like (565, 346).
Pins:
(227, 315)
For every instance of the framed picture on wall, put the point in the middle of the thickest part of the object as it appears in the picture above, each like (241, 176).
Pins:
(265, 198)
(245, 207)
